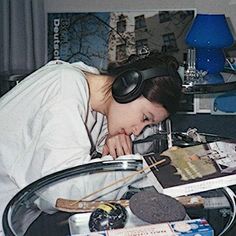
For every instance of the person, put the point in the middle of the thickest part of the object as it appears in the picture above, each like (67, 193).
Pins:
(63, 113)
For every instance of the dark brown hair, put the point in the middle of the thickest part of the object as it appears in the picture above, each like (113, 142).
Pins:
(165, 90)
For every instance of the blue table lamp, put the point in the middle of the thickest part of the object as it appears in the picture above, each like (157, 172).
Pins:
(209, 35)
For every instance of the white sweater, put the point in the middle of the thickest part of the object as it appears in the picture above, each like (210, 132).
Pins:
(46, 125)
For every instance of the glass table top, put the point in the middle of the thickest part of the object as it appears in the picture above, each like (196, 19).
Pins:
(23, 217)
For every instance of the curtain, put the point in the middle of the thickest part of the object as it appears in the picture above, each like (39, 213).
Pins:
(22, 35)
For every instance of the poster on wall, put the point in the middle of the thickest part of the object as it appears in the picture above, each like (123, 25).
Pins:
(104, 39)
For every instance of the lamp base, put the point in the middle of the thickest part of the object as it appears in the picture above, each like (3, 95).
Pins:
(214, 79)
(211, 60)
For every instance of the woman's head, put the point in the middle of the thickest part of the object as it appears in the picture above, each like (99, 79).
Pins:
(133, 117)
(164, 90)
(159, 98)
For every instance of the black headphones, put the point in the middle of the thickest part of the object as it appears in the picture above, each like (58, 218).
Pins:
(129, 84)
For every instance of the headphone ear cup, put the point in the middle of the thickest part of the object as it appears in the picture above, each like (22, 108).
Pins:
(127, 86)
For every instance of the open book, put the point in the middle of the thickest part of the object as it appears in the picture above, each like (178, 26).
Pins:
(194, 169)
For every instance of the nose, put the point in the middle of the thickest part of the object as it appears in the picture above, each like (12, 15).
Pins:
(138, 129)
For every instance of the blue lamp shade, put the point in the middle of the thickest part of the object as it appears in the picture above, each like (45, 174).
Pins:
(210, 34)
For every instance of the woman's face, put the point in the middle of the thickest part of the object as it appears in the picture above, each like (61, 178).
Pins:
(131, 118)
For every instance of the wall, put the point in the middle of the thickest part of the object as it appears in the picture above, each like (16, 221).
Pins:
(221, 125)
(228, 7)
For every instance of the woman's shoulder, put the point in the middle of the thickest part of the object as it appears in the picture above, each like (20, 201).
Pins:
(65, 72)
(69, 78)
(76, 66)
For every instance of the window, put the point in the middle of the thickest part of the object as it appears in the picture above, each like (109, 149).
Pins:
(140, 44)
(140, 22)
(164, 16)
(169, 42)
(121, 26)
(120, 52)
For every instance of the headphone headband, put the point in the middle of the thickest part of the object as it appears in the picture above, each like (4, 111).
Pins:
(155, 72)
(129, 84)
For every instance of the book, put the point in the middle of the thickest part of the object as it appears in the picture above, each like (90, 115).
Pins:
(194, 169)
(178, 228)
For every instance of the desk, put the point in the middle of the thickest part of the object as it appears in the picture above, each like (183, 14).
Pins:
(197, 108)
(204, 88)
(21, 209)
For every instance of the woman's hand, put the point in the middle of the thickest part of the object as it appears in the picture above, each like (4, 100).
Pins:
(117, 145)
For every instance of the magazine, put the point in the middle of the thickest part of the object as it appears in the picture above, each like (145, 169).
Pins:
(194, 169)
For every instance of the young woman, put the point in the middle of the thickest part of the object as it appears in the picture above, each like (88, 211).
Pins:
(59, 115)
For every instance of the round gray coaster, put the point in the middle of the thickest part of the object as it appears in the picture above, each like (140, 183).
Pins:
(153, 207)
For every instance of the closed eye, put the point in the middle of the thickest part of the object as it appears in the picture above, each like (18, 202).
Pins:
(145, 118)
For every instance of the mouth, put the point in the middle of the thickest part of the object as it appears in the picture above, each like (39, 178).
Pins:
(123, 131)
